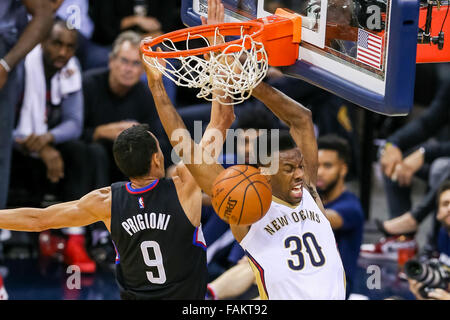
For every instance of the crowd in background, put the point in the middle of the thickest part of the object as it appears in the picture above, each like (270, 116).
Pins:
(79, 88)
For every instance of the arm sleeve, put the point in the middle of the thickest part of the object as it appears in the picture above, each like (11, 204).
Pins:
(433, 152)
(427, 124)
(428, 203)
(71, 125)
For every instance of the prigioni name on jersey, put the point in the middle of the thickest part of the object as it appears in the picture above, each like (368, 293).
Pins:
(284, 220)
(146, 221)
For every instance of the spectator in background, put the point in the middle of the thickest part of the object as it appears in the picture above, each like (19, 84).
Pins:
(114, 100)
(421, 149)
(342, 207)
(443, 242)
(49, 123)
(76, 13)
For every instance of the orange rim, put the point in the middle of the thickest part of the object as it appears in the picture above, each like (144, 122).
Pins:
(252, 28)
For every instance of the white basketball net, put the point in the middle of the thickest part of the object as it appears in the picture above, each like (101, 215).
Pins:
(230, 75)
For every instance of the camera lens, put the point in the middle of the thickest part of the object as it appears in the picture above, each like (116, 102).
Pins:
(414, 270)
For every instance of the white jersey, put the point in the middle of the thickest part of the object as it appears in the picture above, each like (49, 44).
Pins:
(293, 253)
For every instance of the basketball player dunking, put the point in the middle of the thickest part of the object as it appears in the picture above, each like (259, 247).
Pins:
(292, 249)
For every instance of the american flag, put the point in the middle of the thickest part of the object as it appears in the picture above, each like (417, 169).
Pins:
(369, 48)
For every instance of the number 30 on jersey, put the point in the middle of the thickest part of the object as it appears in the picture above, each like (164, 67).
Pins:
(309, 243)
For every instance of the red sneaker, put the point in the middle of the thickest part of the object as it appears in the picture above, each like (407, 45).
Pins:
(387, 248)
(75, 254)
(51, 245)
(3, 293)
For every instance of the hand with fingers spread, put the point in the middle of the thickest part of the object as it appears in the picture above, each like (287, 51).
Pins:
(216, 15)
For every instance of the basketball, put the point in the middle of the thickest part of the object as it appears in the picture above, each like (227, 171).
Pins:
(241, 195)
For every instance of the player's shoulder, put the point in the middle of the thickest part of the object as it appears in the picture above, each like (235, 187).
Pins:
(97, 199)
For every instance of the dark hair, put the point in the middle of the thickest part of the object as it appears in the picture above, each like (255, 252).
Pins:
(254, 118)
(285, 142)
(336, 143)
(442, 188)
(63, 23)
(133, 150)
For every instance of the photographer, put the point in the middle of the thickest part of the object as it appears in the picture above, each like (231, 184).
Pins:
(417, 285)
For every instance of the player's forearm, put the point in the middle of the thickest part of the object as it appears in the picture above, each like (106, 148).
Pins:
(299, 120)
(286, 109)
(33, 34)
(172, 122)
(22, 219)
(234, 282)
(222, 117)
(334, 218)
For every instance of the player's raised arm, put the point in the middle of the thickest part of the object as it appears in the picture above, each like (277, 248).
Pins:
(299, 120)
(93, 207)
(202, 165)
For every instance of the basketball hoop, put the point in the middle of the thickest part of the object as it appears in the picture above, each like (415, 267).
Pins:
(229, 69)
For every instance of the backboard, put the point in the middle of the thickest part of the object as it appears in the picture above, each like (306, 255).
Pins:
(361, 50)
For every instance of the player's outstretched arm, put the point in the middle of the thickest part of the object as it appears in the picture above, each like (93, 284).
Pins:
(93, 207)
(298, 119)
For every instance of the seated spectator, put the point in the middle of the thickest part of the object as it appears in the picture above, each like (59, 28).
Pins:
(419, 149)
(50, 115)
(405, 155)
(90, 54)
(443, 243)
(408, 223)
(342, 207)
(47, 153)
(114, 100)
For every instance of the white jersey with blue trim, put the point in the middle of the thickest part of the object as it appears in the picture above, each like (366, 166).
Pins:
(293, 253)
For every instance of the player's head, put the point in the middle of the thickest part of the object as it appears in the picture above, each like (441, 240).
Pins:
(333, 160)
(137, 153)
(287, 180)
(59, 46)
(443, 202)
(124, 60)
